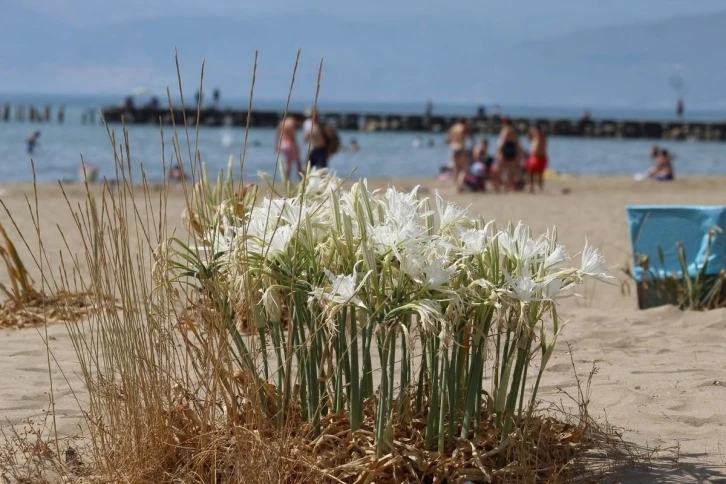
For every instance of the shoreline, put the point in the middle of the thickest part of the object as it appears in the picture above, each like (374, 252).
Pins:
(551, 176)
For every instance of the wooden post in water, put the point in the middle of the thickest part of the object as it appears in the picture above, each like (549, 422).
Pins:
(5, 112)
(61, 114)
(20, 113)
(32, 114)
(46, 113)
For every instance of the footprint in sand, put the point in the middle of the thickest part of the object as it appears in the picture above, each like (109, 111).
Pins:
(560, 367)
(697, 421)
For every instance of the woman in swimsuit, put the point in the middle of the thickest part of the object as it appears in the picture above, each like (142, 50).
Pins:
(663, 167)
(287, 145)
(458, 134)
(509, 153)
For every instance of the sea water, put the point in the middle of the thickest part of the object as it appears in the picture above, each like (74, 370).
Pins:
(389, 154)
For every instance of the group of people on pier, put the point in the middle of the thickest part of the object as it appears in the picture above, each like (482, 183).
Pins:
(511, 168)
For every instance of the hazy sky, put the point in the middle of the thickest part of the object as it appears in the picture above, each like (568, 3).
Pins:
(524, 18)
(374, 50)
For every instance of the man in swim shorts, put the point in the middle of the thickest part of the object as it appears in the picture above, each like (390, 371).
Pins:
(458, 134)
(537, 162)
(314, 136)
(286, 145)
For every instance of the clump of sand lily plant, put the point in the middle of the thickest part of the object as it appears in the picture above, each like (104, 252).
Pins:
(327, 333)
(383, 310)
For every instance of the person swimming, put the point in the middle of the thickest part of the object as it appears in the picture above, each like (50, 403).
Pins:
(32, 141)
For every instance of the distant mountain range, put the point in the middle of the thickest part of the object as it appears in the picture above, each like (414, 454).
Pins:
(399, 57)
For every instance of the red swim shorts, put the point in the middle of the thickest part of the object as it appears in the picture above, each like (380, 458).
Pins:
(536, 164)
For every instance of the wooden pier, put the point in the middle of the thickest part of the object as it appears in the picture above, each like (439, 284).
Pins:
(347, 121)
(30, 113)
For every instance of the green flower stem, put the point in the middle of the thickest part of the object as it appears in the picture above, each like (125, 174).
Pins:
(420, 386)
(341, 352)
(356, 407)
(391, 367)
(442, 405)
(281, 387)
(382, 418)
(367, 364)
(522, 354)
(470, 405)
(434, 398)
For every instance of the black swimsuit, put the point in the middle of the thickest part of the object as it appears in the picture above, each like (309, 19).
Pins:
(509, 150)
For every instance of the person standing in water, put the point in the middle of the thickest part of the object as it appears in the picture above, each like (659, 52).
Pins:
(458, 134)
(537, 162)
(509, 153)
(31, 141)
(286, 144)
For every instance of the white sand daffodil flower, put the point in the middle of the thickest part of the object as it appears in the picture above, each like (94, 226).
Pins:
(474, 242)
(593, 264)
(342, 290)
(556, 259)
(519, 244)
(554, 288)
(450, 215)
(522, 288)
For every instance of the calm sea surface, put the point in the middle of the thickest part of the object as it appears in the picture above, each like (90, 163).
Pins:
(59, 151)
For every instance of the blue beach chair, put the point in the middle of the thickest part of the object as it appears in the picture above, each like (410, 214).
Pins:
(656, 231)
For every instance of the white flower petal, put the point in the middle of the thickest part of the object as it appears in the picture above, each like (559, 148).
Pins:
(593, 264)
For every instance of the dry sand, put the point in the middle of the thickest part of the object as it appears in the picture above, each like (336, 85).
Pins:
(662, 372)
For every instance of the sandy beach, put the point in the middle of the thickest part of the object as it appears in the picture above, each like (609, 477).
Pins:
(661, 376)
